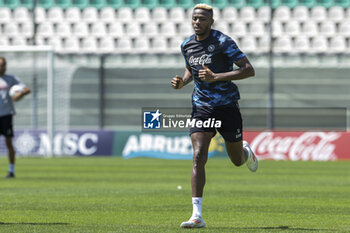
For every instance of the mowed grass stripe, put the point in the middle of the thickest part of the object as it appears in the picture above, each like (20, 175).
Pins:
(140, 195)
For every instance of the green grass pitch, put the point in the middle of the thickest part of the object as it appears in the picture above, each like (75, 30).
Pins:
(141, 195)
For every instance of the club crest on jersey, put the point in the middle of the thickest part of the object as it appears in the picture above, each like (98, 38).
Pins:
(211, 48)
(204, 59)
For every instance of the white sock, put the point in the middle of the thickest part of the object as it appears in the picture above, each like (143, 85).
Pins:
(12, 168)
(197, 206)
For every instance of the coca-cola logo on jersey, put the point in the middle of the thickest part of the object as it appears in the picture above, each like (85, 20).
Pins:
(204, 59)
(306, 146)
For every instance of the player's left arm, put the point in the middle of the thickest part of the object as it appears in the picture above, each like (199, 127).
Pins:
(18, 96)
(245, 70)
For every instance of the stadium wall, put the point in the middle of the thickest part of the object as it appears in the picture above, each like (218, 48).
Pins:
(315, 146)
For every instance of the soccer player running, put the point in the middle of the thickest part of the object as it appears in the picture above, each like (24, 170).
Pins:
(7, 111)
(209, 56)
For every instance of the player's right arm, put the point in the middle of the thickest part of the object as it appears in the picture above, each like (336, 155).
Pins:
(177, 82)
(18, 96)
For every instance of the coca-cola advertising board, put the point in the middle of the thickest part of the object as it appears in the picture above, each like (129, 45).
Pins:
(316, 146)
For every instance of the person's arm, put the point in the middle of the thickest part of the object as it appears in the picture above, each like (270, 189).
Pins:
(178, 82)
(20, 95)
(245, 70)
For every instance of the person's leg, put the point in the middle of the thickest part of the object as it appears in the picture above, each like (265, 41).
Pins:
(240, 153)
(236, 152)
(11, 155)
(200, 144)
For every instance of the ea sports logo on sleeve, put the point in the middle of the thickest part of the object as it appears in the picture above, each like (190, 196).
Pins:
(151, 120)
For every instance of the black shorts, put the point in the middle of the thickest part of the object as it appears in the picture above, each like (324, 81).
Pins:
(6, 127)
(229, 115)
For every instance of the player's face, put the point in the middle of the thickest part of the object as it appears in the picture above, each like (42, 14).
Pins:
(2, 67)
(201, 21)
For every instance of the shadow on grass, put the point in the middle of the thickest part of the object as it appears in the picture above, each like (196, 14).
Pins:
(281, 228)
(34, 223)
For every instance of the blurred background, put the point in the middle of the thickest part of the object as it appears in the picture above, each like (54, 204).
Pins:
(113, 57)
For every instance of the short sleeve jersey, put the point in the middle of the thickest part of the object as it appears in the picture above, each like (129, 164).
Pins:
(6, 104)
(218, 52)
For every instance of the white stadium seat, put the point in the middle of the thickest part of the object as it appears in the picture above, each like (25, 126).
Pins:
(21, 14)
(19, 41)
(107, 15)
(98, 29)
(300, 13)
(45, 29)
(344, 28)
(89, 45)
(133, 29)
(318, 13)
(106, 45)
(142, 15)
(277, 29)
(337, 44)
(263, 14)
(63, 29)
(185, 29)
(141, 45)
(159, 45)
(327, 28)
(301, 44)
(239, 29)
(217, 14)
(283, 44)
(5, 15)
(282, 13)
(90, 15)
(71, 45)
(116, 30)
(247, 14)
(27, 29)
(229, 14)
(257, 28)
(125, 15)
(347, 14)
(319, 44)
(73, 15)
(248, 44)
(80, 29)
(336, 14)
(222, 26)
(177, 14)
(159, 14)
(40, 15)
(124, 45)
(175, 44)
(292, 28)
(263, 44)
(4, 41)
(150, 29)
(55, 15)
(56, 43)
(189, 12)
(309, 28)
(168, 29)
(11, 29)
(41, 41)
